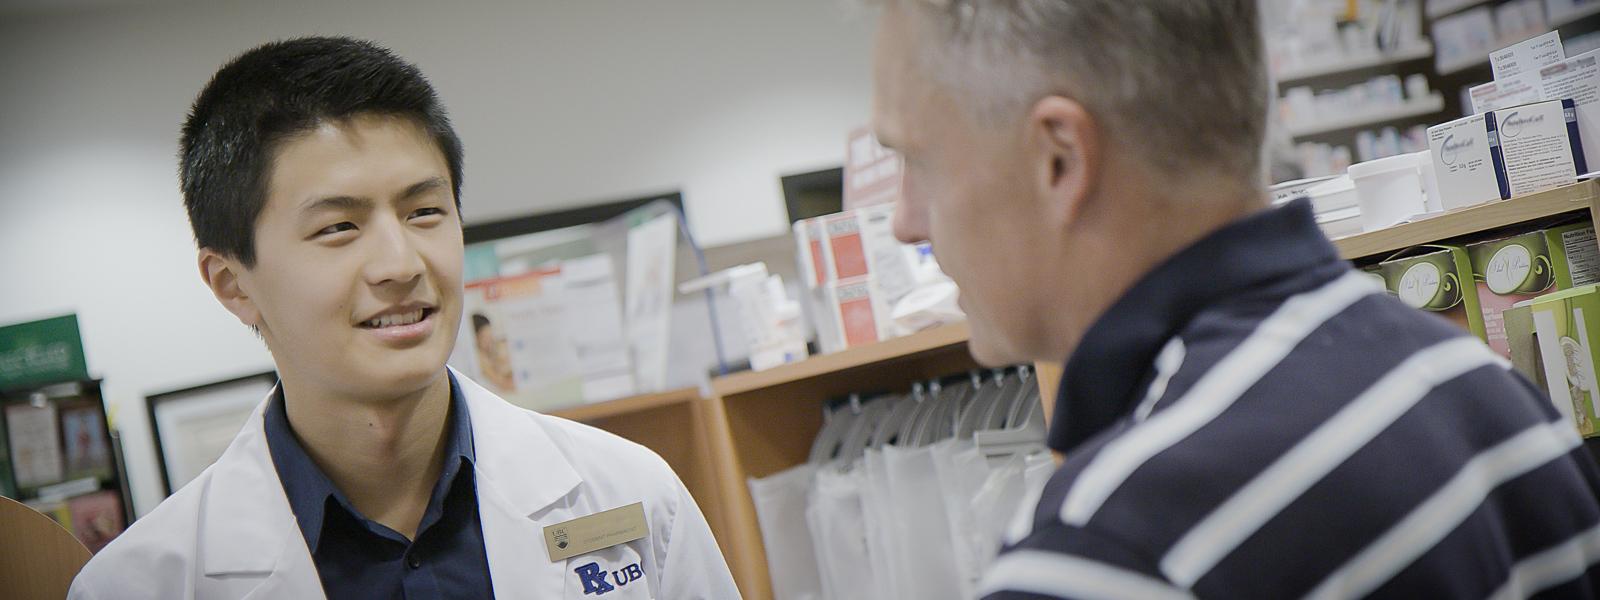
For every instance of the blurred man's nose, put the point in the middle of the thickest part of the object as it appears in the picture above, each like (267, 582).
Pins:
(910, 221)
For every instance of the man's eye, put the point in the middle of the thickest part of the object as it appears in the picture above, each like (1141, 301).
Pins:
(337, 227)
(427, 212)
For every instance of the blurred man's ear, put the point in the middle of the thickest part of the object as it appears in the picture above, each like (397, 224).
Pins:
(1067, 156)
(222, 273)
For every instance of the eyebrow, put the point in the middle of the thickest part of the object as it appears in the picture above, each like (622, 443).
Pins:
(338, 203)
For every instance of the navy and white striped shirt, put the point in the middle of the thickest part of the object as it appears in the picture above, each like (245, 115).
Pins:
(1256, 420)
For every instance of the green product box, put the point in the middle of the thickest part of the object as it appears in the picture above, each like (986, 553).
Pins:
(8, 485)
(1521, 267)
(1436, 279)
(1567, 324)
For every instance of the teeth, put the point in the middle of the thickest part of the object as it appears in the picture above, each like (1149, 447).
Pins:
(394, 320)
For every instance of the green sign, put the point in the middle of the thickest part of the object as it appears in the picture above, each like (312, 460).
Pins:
(41, 352)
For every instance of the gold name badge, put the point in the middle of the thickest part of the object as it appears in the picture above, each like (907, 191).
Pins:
(595, 532)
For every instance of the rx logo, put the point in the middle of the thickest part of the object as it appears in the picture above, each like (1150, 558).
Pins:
(594, 578)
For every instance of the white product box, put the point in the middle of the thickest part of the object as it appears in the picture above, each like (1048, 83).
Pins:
(1578, 79)
(856, 312)
(1539, 146)
(861, 242)
(1463, 162)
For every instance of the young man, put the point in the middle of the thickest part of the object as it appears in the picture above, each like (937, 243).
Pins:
(1242, 416)
(322, 180)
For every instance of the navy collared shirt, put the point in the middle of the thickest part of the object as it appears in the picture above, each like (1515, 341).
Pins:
(1105, 376)
(1254, 419)
(360, 558)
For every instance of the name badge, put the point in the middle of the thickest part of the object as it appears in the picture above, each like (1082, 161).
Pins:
(595, 532)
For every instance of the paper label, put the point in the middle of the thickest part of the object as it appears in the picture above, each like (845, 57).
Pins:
(1521, 88)
(1536, 148)
(1583, 256)
(596, 532)
(856, 314)
(1529, 55)
(844, 240)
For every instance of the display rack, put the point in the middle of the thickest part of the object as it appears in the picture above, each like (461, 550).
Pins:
(1420, 107)
(1346, 64)
(673, 425)
(1440, 8)
(762, 423)
(1575, 15)
(1578, 197)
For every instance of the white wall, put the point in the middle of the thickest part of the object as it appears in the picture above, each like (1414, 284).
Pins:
(558, 103)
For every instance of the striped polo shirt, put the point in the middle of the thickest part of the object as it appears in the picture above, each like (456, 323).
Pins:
(1254, 419)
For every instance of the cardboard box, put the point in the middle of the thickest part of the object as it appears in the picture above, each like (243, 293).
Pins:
(1463, 162)
(1567, 325)
(1537, 147)
(1521, 267)
(1524, 344)
(1437, 279)
(1578, 78)
(857, 312)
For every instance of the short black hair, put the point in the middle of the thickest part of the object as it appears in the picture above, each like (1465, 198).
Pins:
(278, 90)
(479, 322)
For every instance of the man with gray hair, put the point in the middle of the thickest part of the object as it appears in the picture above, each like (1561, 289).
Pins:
(1241, 415)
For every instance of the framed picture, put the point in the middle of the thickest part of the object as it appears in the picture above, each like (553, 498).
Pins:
(193, 426)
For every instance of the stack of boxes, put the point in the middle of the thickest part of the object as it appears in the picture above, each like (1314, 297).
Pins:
(854, 270)
(1529, 296)
(1535, 127)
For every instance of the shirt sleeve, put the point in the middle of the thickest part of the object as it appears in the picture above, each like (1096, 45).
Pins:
(1071, 562)
(694, 568)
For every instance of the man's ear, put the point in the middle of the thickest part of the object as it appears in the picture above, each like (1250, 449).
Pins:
(1067, 152)
(221, 274)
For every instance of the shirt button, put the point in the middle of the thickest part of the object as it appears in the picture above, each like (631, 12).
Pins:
(414, 561)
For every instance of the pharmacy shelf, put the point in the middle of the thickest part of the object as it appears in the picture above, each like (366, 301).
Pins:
(598, 411)
(1413, 108)
(1578, 197)
(763, 423)
(1462, 65)
(673, 425)
(1439, 8)
(932, 340)
(1591, 9)
(1345, 64)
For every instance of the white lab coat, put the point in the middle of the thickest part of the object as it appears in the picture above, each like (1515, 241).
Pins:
(231, 534)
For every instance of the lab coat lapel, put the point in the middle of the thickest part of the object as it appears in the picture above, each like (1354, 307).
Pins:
(523, 479)
(247, 530)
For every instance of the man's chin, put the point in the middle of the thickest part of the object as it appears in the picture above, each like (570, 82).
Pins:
(989, 348)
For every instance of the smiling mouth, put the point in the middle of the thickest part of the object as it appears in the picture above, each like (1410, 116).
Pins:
(399, 320)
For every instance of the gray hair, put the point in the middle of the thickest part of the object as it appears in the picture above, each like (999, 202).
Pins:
(1181, 82)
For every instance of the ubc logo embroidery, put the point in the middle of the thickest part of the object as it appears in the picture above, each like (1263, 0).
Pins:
(594, 578)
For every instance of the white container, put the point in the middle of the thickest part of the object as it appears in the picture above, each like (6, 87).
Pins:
(1432, 202)
(1388, 190)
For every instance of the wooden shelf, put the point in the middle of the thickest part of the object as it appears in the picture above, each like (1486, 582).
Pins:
(938, 338)
(1577, 197)
(589, 413)
(1411, 108)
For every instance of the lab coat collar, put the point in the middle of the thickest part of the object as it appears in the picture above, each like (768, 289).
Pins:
(509, 441)
(245, 517)
(247, 526)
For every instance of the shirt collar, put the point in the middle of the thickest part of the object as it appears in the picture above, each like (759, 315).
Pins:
(309, 489)
(1100, 378)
